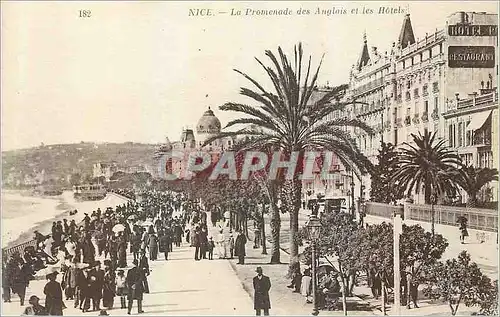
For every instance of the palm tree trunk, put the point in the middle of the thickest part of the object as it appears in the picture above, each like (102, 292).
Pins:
(275, 232)
(292, 188)
(472, 200)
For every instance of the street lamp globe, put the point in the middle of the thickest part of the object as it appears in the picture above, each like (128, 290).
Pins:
(314, 227)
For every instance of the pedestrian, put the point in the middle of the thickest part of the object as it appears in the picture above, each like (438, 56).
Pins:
(256, 234)
(211, 246)
(462, 221)
(53, 296)
(153, 247)
(231, 245)
(144, 266)
(239, 247)
(122, 250)
(95, 284)
(5, 284)
(164, 244)
(306, 285)
(261, 286)
(35, 309)
(69, 281)
(203, 242)
(196, 240)
(221, 245)
(109, 289)
(121, 288)
(135, 285)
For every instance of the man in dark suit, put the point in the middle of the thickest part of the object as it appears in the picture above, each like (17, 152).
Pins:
(135, 284)
(261, 286)
(239, 247)
(95, 284)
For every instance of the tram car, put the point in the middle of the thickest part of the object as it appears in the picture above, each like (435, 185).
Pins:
(89, 192)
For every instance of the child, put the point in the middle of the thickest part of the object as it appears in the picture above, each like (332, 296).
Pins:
(121, 288)
(211, 246)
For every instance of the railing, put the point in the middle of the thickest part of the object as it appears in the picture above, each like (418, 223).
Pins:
(369, 86)
(480, 219)
(381, 210)
(7, 252)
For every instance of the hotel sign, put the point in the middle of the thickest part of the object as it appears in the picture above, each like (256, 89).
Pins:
(472, 30)
(471, 56)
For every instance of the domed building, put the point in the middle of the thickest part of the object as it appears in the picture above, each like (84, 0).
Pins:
(208, 125)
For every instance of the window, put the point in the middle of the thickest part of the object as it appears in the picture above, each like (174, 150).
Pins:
(412, 61)
(468, 136)
(424, 90)
(436, 104)
(430, 53)
(426, 106)
(460, 127)
(415, 93)
(435, 87)
(450, 135)
(441, 48)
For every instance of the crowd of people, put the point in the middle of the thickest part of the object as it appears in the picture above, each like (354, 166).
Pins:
(143, 227)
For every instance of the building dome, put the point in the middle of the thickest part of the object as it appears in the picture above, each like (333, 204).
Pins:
(208, 123)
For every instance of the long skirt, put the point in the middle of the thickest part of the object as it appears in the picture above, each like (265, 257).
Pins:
(107, 298)
(153, 253)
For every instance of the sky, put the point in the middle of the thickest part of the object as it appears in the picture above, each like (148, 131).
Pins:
(142, 71)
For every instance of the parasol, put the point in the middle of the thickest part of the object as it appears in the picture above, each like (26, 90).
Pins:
(147, 223)
(118, 228)
(48, 270)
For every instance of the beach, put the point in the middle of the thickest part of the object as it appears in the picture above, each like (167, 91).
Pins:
(22, 214)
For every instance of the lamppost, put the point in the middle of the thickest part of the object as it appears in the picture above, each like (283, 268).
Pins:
(314, 227)
(433, 201)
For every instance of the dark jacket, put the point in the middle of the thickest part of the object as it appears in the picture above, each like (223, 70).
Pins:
(261, 288)
(239, 245)
(135, 283)
(53, 298)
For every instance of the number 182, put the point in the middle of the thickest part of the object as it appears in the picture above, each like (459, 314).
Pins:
(85, 14)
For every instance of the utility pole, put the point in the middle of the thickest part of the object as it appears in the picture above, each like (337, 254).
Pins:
(398, 229)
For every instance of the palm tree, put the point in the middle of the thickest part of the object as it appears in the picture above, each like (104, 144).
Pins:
(473, 179)
(428, 163)
(288, 120)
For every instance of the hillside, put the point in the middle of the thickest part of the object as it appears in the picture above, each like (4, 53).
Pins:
(61, 160)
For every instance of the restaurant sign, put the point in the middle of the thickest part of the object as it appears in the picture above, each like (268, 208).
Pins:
(471, 56)
(472, 30)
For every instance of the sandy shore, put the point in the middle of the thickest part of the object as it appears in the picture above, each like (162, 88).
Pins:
(38, 213)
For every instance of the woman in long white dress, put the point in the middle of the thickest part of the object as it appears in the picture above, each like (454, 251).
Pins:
(221, 245)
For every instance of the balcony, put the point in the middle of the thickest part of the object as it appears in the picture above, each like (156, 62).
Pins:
(425, 116)
(435, 115)
(416, 118)
(407, 120)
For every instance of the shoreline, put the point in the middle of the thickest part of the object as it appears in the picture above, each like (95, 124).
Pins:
(64, 205)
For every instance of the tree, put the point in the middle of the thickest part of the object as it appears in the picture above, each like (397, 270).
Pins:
(428, 163)
(377, 255)
(459, 280)
(75, 179)
(473, 179)
(381, 190)
(339, 237)
(419, 253)
(288, 119)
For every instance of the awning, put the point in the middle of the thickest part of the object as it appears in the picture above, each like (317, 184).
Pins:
(478, 120)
